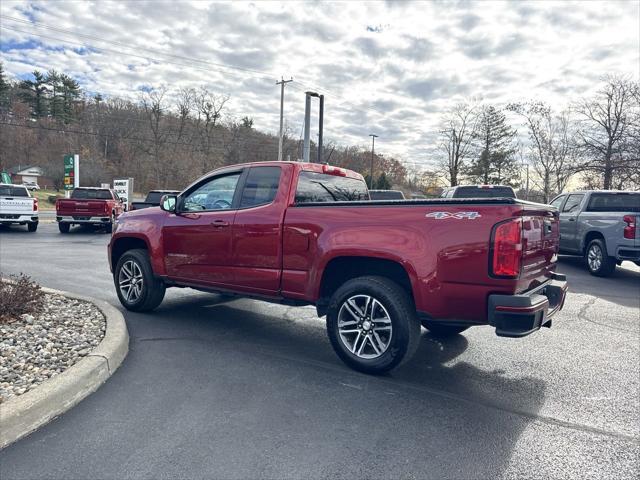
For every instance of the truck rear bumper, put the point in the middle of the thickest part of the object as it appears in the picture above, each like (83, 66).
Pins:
(521, 315)
(628, 253)
(82, 219)
(18, 218)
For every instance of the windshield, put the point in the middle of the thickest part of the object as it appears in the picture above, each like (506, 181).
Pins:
(81, 194)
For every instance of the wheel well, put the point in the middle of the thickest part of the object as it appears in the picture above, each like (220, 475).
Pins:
(591, 236)
(341, 269)
(121, 245)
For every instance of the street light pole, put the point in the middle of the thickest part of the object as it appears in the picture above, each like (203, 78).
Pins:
(282, 83)
(373, 148)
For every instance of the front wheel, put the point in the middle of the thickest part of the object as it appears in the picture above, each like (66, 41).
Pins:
(442, 331)
(372, 324)
(138, 289)
(597, 260)
(32, 226)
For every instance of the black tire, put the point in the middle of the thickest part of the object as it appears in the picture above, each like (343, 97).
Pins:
(64, 227)
(603, 267)
(442, 331)
(152, 291)
(405, 327)
(32, 226)
(109, 226)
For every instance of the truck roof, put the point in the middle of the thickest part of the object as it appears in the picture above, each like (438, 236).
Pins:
(305, 166)
(600, 191)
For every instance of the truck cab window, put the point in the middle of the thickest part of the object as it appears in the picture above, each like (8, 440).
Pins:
(215, 194)
(573, 202)
(320, 187)
(260, 187)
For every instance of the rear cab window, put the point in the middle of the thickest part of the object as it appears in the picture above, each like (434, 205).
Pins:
(86, 194)
(614, 202)
(13, 191)
(558, 201)
(320, 187)
(486, 192)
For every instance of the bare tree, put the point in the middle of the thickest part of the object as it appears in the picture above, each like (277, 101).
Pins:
(550, 150)
(456, 139)
(606, 130)
(209, 113)
(153, 106)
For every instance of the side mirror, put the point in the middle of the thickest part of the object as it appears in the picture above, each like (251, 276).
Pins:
(168, 203)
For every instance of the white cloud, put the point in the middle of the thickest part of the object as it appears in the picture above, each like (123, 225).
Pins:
(388, 68)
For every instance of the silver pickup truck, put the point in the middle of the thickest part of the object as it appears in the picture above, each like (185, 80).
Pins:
(601, 226)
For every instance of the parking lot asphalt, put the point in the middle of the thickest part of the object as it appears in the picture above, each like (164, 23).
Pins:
(244, 389)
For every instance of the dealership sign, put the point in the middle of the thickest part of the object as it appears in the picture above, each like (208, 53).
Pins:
(71, 171)
(124, 188)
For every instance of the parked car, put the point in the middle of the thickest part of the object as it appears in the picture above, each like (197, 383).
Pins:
(18, 207)
(153, 199)
(386, 195)
(479, 191)
(300, 234)
(601, 226)
(31, 185)
(89, 206)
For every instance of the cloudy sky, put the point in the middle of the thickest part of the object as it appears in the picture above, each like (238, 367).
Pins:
(389, 68)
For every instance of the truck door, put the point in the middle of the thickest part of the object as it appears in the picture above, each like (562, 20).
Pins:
(197, 240)
(569, 222)
(257, 229)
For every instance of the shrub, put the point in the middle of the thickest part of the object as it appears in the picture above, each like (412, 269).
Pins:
(19, 295)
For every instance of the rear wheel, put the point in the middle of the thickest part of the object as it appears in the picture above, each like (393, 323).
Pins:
(138, 289)
(64, 227)
(372, 324)
(32, 226)
(442, 331)
(109, 227)
(597, 260)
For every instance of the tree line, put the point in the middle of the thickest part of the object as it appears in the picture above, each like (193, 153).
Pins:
(166, 139)
(595, 141)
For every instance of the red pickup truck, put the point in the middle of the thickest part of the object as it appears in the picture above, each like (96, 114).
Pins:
(89, 206)
(300, 233)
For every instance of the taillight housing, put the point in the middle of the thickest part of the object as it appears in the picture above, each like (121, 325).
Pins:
(506, 249)
(630, 229)
(35, 204)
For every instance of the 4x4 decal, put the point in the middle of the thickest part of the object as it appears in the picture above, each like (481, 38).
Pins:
(456, 215)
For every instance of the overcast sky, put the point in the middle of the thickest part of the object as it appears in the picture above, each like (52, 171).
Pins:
(388, 68)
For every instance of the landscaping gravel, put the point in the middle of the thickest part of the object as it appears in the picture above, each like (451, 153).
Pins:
(37, 347)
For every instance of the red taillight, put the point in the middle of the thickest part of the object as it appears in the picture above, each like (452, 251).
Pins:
(35, 204)
(630, 229)
(506, 245)
(328, 169)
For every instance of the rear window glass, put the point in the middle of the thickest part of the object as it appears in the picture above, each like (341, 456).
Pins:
(386, 195)
(154, 197)
(477, 192)
(614, 202)
(91, 194)
(319, 187)
(9, 191)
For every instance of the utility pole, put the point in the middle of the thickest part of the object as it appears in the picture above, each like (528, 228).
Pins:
(373, 147)
(320, 128)
(306, 146)
(527, 194)
(282, 83)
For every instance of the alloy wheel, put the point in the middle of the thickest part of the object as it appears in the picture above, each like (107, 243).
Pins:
(130, 281)
(594, 257)
(364, 325)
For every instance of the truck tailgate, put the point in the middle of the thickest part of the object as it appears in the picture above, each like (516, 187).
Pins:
(540, 243)
(16, 205)
(90, 208)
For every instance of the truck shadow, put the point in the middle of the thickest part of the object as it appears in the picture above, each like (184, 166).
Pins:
(442, 409)
(622, 288)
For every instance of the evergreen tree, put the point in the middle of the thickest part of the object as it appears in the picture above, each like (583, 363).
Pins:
(383, 182)
(56, 99)
(70, 93)
(495, 139)
(34, 93)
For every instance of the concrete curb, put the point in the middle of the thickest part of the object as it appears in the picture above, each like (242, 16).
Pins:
(25, 413)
